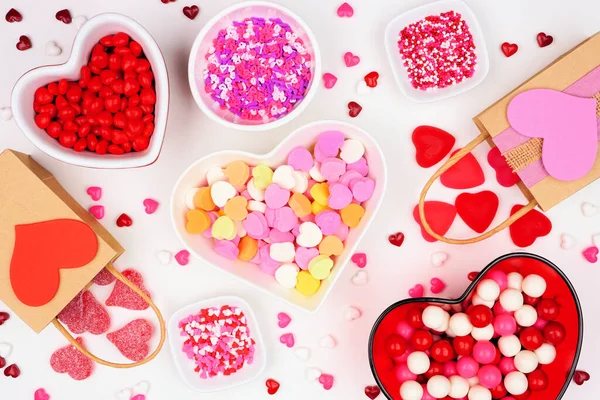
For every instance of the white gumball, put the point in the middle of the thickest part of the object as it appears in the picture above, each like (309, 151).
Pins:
(450, 333)
(511, 299)
(434, 317)
(474, 381)
(476, 300)
(459, 387)
(488, 290)
(526, 316)
(514, 280)
(438, 386)
(526, 361)
(418, 362)
(509, 346)
(479, 393)
(534, 285)
(516, 383)
(546, 354)
(485, 333)
(460, 324)
(446, 325)
(411, 390)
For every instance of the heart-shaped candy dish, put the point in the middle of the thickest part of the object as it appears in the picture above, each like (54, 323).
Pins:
(516, 333)
(106, 107)
(285, 222)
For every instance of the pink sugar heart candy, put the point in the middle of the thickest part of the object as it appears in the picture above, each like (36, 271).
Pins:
(283, 320)
(95, 192)
(139, 397)
(332, 168)
(150, 206)
(104, 277)
(287, 339)
(328, 221)
(345, 11)
(437, 285)
(183, 257)
(329, 80)
(363, 189)
(339, 196)
(351, 59)
(328, 145)
(276, 236)
(276, 197)
(361, 166)
(591, 254)
(326, 380)
(284, 219)
(123, 296)
(360, 259)
(71, 361)
(97, 211)
(225, 248)
(300, 158)
(256, 225)
(132, 339)
(41, 394)
(304, 255)
(416, 291)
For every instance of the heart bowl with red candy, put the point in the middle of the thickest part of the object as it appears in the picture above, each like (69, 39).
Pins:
(515, 334)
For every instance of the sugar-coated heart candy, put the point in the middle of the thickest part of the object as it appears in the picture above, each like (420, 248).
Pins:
(351, 151)
(320, 266)
(287, 275)
(123, 296)
(215, 174)
(304, 256)
(85, 315)
(224, 228)
(301, 184)
(276, 196)
(237, 173)
(222, 191)
(189, 198)
(331, 246)
(332, 168)
(104, 277)
(132, 339)
(310, 235)
(352, 215)
(284, 177)
(315, 173)
(227, 249)
(71, 361)
(340, 196)
(282, 252)
(363, 189)
(267, 264)
(307, 284)
(197, 221)
(300, 159)
(262, 176)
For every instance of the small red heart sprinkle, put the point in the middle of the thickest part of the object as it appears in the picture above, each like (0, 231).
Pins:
(529, 227)
(4, 316)
(13, 16)
(372, 391)
(581, 377)
(432, 145)
(472, 275)
(24, 43)
(504, 174)
(396, 239)
(477, 209)
(354, 109)
(272, 386)
(371, 79)
(439, 215)
(191, 11)
(64, 16)
(544, 40)
(465, 174)
(13, 371)
(509, 49)
(124, 220)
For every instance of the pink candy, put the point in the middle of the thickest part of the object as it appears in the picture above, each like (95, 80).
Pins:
(329, 221)
(339, 196)
(300, 159)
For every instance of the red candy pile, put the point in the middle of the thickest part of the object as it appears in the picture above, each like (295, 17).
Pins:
(110, 109)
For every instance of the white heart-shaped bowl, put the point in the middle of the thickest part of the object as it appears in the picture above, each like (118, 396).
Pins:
(237, 12)
(306, 136)
(89, 34)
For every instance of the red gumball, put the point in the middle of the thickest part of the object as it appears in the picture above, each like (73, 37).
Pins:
(435, 368)
(463, 345)
(414, 318)
(538, 380)
(442, 351)
(548, 309)
(499, 391)
(421, 340)
(480, 316)
(531, 338)
(532, 301)
(554, 332)
(395, 345)
(497, 357)
(523, 396)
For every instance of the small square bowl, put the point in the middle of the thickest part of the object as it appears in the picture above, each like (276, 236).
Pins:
(416, 14)
(237, 12)
(185, 366)
(89, 34)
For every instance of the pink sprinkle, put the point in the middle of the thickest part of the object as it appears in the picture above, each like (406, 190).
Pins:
(95, 192)
(97, 211)
(360, 259)
(284, 319)
(150, 206)
(591, 254)
(437, 285)
(183, 257)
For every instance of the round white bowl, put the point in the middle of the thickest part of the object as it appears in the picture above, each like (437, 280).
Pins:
(89, 34)
(306, 136)
(238, 12)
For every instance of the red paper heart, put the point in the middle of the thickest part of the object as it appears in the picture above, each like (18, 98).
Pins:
(41, 250)
(371, 79)
(396, 239)
(191, 12)
(509, 49)
(581, 377)
(372, 391)
(544, 40)
(124, 220)
(477, 209)
(432, 145)
(85, 314)
(12, 371)
(71, 361)
(24, 43)
(13, 16)
(132, 339)
(529, 227)
(439, 215)
(504, 173)
(122, 296)
(465, 174)
(354, 109)
(4, 316)
(272, 386)
(104, 277)
(64, 16)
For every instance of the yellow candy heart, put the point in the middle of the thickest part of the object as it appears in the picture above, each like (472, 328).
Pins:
(331, 246)
(224, 228)
(320, 192)
(320, 267)
(263, 176)
(317, 207)
(306, 284)
(197, 221)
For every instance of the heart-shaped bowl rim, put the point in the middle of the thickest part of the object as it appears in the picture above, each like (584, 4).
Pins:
(305, 136)
(467, 292)
(89, 34)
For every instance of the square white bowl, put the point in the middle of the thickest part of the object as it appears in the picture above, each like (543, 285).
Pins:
(306, 136)
(89, 34)
(185, 366)
(392, 34)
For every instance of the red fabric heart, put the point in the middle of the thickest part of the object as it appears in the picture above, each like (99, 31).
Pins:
(104, 277)
(85, 314)
(529, 227)
(580, 377)
(191, 12)
(64, 16)
(439, 215)
(396, 239)
(272, 386)
(71, 361)
(544, 40)
(465, 174)
(13, 16)
(509, 49)
(132, 339)
(41, 250)
(372, 391)
(12, 371)
(4, 316)
(122, 296)
(504, 173)
(432, 145)
(354, 109)
(124, 220)
(371, 79)
(24, 43)
(477, 209)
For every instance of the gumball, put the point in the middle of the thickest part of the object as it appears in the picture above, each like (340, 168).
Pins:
(509, 346)
(540, 324)
(467, 367)
(499, 391)
(476, 300)
(498, 309)
(450, 369)
(532, 301)
(554, 332)
(421, 340)
(395, 345)
(497, 357)
(459, 387)
(460, 324)
(442, 351)
(484, 352)
(546, 354)
(426, 394)
(418, 362)
(478, 392)
(516, 383)
(463, 345)
(438, 386)
(507, 365)
(505, 324)
(531, 338)
(411, 390)
(526, 316)
(485, 333)
(538, 380)
(526, 361)
(489, 376)
(435, 317)
(435, 368)
(523, 396)
(474, 381)
(548, 309)
(480, 316)
(499, 277)
(511, 300)
(449, 333)
(405, 330)
(403, 374)
(534, 285)
(414, 318)
(514, 280)
(488, 290)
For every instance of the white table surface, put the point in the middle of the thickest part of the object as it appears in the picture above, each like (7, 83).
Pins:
(387, 115)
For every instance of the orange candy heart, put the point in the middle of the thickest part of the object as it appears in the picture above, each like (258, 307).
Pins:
(300, 204)
(237, 173)
(197, 221)
(248, 248)
(235, 208)
(203, 199)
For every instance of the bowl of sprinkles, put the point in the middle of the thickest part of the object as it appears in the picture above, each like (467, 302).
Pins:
(253, 66)
(216, 344)
(437, 51)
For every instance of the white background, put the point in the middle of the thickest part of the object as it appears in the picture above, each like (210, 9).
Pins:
(387, 115)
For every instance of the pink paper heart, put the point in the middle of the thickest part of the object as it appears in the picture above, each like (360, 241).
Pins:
(183, 257)
(591, 254)
(437, 285)
(329, 80)
(345, 10)
(97, 211)
(360, 259)
(416, 291)
(41, 394)
(287, 339)
(326, 380)
(351, 60)
(567, 124)
(284, 319)
(95, 192)
(150, 206)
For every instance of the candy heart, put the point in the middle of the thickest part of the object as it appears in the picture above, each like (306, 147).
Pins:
(472, 275)
(222, 191)
(124, 220)
(302, 353)
(150, 206)
(589, 210)
(139, 397)
(125, 394)
(580, 377)
(591, 254)
(567, 241)
(326, 380)
(53, 49)
(310, 235)
(272, 386)
(41, 250)
(191, 12)
(5, 114)
(360, 259)
(71, 361)
(12, 371)
(97, 211)
(438, 259)
(439, 215)
(41, 394)
(329, 80)
(352, 313)
(141, 387)
(354, 109)
(416, 291)
(327, 342)
(350, 59)
(164, 257)
(284, 177)
(372, 391)
(567, 124)
(544, 40)
(13, 16)
(371, 79)
(123, 296)
(437, 285)
(362, 88)
(345, 10)
(283, 320)
(312, 374)
(85, 316)
(132, 339)
(79, 20)
(104, 277)
(477, 209)
(64, 16)
(509, 49)
(287, 339)
(360, 278)
(396, 239)
(5, 349)
(431, 144)
(529, 227)
(24, 43)
(465, 174)
(504, 174)
(4, 316)
(2, 362)
(95, 192)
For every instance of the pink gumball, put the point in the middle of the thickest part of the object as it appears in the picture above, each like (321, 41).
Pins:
(489, 376)
(484, 352)
(405, 330)
(505, 325)
(498, 309)
(540, 324)
(500, 278)
(450, 369)
(506, 365)
(403, 374)
(426, 395)
(402, 359)
(467, 367)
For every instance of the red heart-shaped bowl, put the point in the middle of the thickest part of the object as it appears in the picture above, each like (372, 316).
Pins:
(560, 372)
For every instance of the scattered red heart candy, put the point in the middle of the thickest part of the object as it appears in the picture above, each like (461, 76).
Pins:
(124, 220)
(354, 109)
(465, 174)
(472, 275)
(372, 391)
(12, 371)
(440, 217)
(24, 43)
(396, 239)
(477, 209)
(132, 339)
(4, 316)
(2, 362)
(167, 1)
(509, 49)
(104, 277)
(529, 227)
(87, 316)
(504, 174)
(432, 145)
(191, 11)
(71, 361)
(437, 285)
(544, 40)
(13, 16)
(64, 16)
(371, 79)
(580, 377)
(272, 386)
(123, 296)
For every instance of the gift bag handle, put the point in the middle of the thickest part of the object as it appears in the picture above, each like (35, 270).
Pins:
(446, 166)
(161, 321)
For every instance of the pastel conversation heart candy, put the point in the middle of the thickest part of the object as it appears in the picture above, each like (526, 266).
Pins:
(276, 196)
(320, 266)
(339, 196)
(300, 159)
